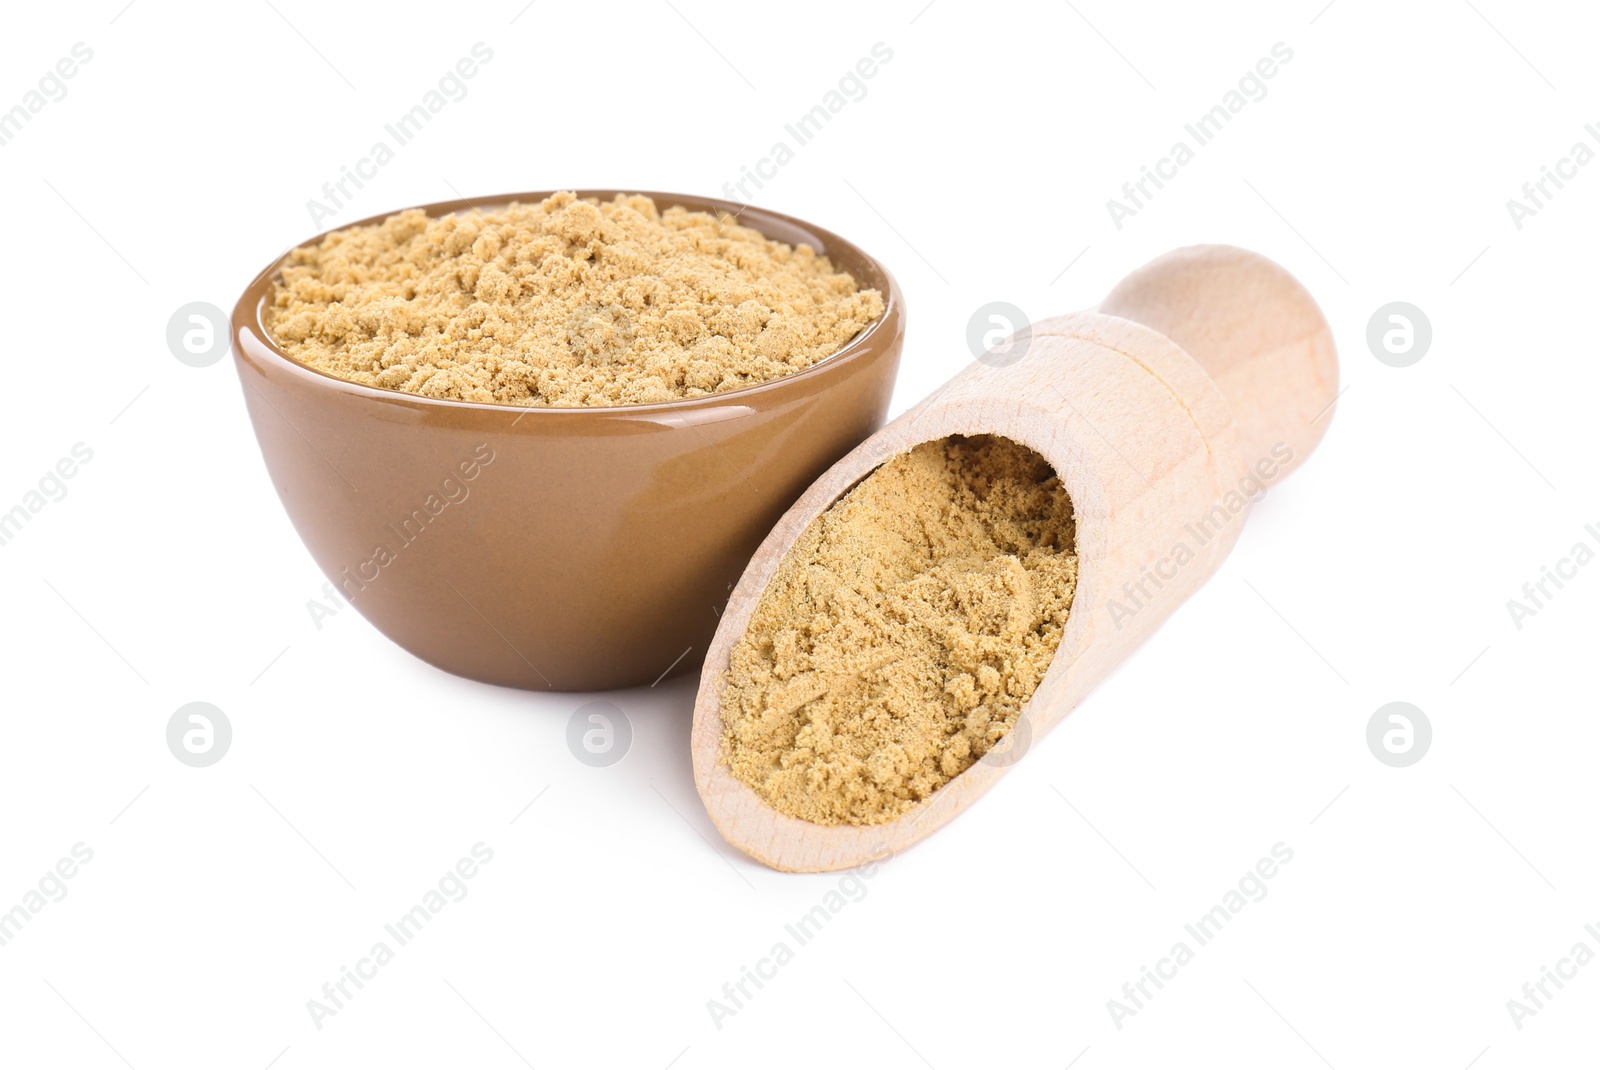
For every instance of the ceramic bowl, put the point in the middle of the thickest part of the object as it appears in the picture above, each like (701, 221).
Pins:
(556, 548)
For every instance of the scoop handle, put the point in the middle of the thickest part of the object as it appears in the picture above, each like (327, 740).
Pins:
(1253, 328)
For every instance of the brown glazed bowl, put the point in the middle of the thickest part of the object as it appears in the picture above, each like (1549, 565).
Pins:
(556, 548)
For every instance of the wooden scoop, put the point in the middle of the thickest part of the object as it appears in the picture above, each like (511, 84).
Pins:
(1201, 379)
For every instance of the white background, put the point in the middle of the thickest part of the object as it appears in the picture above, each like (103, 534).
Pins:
(220, 900)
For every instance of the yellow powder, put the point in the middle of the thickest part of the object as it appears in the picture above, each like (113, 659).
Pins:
(903, 633)
(568, 302)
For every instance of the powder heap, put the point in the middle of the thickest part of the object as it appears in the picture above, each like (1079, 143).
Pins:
(569, 302)
(903, 633)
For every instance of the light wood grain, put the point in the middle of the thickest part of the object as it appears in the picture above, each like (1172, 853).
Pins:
(1152, 409)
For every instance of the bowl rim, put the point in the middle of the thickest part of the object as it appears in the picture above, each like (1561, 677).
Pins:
(252, 340)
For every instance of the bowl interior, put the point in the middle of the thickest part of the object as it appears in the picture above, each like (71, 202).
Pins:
(249, 317)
